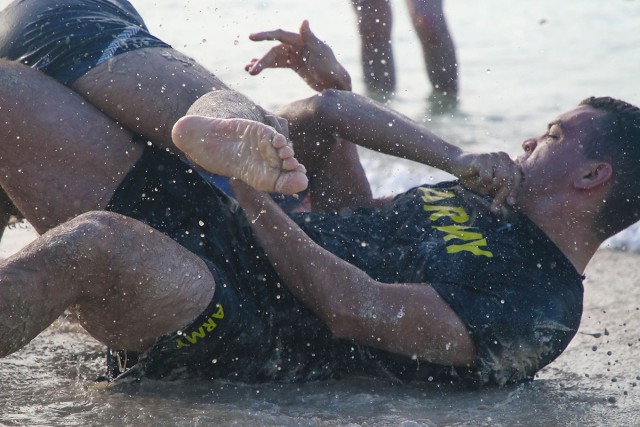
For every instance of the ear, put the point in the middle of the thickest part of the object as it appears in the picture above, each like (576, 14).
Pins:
(593, 176)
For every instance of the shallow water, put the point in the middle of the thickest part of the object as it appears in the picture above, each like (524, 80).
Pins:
(521, 64)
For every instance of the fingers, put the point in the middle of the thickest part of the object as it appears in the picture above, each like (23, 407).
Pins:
(505, 196)
(280, 124)
(251, 67)
(276, 57)
(308, 37)
(507, 178)
(493, 174)
(282, 36)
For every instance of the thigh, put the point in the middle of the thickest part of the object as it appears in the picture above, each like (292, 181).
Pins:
(135, 284)
(147, 90)
(60, 155)
(103, 50)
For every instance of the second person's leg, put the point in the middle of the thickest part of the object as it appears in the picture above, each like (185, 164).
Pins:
(374, 25)
(127, 283)
(60, 155)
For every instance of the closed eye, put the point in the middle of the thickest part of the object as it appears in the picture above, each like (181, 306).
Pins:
(554, 131)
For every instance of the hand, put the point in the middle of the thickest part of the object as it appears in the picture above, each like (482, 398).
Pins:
(493, 174)
(305, 54)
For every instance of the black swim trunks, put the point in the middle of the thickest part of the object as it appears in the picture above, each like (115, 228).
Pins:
(254, 329)
(67, 38)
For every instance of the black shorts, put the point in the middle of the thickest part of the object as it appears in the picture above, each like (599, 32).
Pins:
(166, 194)
(66, 38)
(254, 329)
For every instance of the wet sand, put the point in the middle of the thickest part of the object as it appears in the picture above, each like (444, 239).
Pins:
(594, 383)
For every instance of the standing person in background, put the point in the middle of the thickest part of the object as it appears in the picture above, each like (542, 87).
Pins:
(374, 26)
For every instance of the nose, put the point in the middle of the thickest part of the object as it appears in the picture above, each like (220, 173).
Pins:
(529, 145)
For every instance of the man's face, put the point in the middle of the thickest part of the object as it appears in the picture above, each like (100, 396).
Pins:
(552, 161)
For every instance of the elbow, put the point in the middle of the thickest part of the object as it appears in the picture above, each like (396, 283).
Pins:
(331, 106)
(344, 323)
(328, 99)
(340, 328)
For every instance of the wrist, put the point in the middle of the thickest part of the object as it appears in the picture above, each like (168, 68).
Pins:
(452, 160)
(343, 80)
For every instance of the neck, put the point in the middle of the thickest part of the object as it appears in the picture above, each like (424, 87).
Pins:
(566, 225)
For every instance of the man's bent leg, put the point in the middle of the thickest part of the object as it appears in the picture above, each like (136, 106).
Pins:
(148, 90)
(60, 156)
(128, 283)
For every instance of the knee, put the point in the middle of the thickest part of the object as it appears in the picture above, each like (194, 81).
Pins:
(99, 227)
(429, 21)
(98, 218)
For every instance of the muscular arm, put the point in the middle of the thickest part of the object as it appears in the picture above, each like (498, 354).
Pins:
(371, 125)
(408, 319)
(346, 115)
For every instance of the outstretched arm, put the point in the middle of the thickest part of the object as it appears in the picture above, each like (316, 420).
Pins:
(408, 319)
(371, 125)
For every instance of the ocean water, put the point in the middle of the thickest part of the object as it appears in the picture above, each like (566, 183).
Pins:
(521, 64)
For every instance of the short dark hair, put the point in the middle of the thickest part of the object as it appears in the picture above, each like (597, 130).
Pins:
(619, 145)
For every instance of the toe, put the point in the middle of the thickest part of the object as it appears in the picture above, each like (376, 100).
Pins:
(290, 164)
(285, 152)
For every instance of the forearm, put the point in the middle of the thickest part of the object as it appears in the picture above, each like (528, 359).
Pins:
(338, 178)
(371, 125)
(305, 267)
(376, 127)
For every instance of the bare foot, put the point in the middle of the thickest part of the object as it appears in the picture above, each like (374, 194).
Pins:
(250, 151)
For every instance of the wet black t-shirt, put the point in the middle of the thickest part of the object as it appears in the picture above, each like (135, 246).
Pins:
(519, 296)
